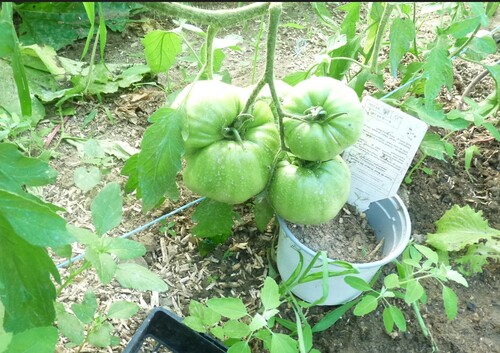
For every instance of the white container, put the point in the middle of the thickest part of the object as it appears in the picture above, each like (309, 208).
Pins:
(390, 220)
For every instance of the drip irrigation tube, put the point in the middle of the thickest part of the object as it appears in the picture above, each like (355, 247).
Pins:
(138, 229)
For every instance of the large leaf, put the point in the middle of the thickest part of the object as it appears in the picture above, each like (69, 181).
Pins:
(232, 308)
(161, 49)
(401, 35)
(35, 340)
(107, 208)
(270, 294)
(17, 171)
(214, 219)
(160, 158)
(438, 70)
(36, 223)
(460, 227)
(26, 288)
(434, 146)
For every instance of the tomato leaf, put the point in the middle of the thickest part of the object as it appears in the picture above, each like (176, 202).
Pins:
(357, 283)
(69, 325)
(283, 343)
(450, 302)
(107, 208)
(85, 310)
(239, 347)
(401, 34)
(270, 294)
(122, 309)
(214, 219)
(124, 249)
(161, 49)
(236, 329)
(160, 158)
(438, 70)
(366, 305)
(460, 227)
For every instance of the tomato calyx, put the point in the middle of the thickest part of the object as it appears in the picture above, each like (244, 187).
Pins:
(316, 114)
(231, 133)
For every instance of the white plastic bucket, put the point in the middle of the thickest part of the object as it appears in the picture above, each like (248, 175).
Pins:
(390, 220)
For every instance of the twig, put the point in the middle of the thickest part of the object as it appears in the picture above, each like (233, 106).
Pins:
(50, 136)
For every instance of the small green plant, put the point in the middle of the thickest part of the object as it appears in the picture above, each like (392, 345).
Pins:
(167, 228)
(229, 320)
(464, 236)
(86, 324)
(418, 264)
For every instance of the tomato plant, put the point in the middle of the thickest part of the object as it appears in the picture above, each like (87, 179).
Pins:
(307, 192)
(228, 154)
(323, 116)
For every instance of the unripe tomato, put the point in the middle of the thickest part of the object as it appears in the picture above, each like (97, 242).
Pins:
(228, 157)
(311, 193)
(325, 117)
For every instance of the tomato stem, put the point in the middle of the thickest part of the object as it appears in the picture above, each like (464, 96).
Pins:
(231, 133)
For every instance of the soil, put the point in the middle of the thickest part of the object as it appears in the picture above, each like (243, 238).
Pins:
(239, 266)
(347, 237)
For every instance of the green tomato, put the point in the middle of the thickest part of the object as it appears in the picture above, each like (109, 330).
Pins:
(324, 117)
(228, 157)
(313, 193)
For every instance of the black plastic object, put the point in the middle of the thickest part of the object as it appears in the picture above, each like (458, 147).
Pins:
(162, 330)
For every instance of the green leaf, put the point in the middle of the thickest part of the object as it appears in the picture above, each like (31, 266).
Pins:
(460, 29)
(107, 208)
(414, 291)
(69, 325)
(101, 336)
(357, 283)
(258, 321)
(460, 227)
(281, 343)
(213, 219)
(160, 158)
(391, 281)
(134, 276)
(103, 264)
(401, 35)
(428, 253)
(17, 171)
(469, 154)
(86, 310)
(195, 323)
(87, 177)
(398, 317)
(388, 320)
(236, 329)
(332, 317)
(35, 340)
(434, 115)
(263, 213)
(5, 339)
(122, 310)
(239, 347)
(130, 170)
(367, 304)
(26, 288)
(457, 277)
(124, 249)
(82, 235)
(438, 70)
(232, 308)
(450, 301)
(434, 146)
(207, 316)
(295, 77)
(161, 48)
(270, 294)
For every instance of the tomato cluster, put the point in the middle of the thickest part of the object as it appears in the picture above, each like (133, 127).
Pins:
(231, 157)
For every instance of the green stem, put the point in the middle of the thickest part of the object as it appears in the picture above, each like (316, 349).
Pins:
(217, 18)
(86, 265)
(415, 49)
(416, 166)
(380, 34)
(350, 59)
(190, 47)
(423, 326)
(209, 58)
(92, 60)
(256, 48)
(274, 18)
(466, 43)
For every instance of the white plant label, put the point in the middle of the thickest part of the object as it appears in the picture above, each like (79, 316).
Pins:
(381, 157)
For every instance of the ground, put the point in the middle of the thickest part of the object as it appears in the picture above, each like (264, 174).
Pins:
(239, 266)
